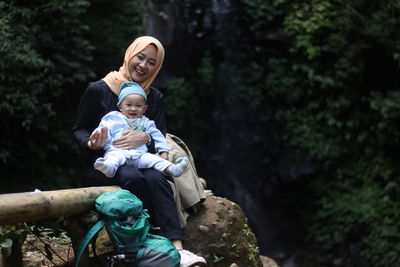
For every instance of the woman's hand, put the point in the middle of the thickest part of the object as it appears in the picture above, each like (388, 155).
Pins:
(98, 139)
(131, 139)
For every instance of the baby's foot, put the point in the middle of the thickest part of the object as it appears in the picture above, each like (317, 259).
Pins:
(179, 166)
(108, 169)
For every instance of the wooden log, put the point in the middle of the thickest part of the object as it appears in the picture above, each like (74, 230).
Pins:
(34, 206)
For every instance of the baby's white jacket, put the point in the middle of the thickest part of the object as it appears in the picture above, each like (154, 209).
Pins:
(117, 123)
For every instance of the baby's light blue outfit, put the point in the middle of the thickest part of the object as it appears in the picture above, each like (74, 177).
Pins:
(114, 157)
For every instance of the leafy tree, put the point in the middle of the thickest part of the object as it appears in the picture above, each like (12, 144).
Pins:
(188, 100)
(50, 50)
(44, 54)
(336, 89)
(113, 26)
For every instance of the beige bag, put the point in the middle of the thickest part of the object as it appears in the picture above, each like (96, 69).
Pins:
(188, 191)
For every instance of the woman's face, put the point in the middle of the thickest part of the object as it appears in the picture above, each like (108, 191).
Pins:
(143, 64)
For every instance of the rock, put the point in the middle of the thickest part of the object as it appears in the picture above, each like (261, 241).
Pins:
(268, 262)
(219, 232)
(203, 182)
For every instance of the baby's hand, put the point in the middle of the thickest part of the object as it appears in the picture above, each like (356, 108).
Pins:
(98, 139)
(164, 155)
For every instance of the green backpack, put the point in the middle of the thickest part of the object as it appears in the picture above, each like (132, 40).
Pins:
(127, 225)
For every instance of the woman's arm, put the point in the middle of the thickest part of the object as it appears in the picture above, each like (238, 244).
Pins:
(88, 117)
(131, 139)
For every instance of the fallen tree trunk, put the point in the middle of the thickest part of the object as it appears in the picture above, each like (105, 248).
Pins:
(34, 206)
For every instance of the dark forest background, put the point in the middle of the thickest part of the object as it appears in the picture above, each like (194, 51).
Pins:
(291, 108)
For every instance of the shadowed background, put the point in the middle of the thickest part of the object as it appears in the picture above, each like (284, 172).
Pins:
(291, 109)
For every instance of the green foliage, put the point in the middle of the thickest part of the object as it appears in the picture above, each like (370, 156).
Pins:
(337, 95)
(363, 215)
(9, 236)
(188, 102)
(5, 241)
(113, 26)
(262, 13)
(51, 230)
(217, 259)
(242, 79)
(38, 71)
(336, 89)
(48, 50)
(332, 79)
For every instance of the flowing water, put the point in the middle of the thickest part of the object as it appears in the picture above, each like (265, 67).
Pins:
(246, 160)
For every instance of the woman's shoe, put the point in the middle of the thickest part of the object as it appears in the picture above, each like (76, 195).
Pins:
(189, 259)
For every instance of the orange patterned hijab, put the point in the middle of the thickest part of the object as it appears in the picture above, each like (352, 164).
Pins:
(114, 79)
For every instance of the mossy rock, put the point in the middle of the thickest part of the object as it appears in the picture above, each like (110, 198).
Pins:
(219, 232)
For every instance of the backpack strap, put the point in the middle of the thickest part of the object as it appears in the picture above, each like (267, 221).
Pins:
(86, 240)
(140, 253)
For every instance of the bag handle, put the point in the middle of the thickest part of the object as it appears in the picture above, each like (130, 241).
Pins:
(85, 242)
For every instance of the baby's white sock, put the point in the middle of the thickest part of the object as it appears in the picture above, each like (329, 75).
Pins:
(105, 167)
(179, 166)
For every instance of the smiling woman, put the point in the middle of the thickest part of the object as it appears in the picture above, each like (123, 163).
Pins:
(142, 62)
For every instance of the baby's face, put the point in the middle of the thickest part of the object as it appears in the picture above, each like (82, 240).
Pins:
(133, 106)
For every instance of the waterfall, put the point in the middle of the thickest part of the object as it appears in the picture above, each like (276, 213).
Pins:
(246, 160)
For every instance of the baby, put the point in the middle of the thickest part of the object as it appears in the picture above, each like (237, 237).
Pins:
(132, 104)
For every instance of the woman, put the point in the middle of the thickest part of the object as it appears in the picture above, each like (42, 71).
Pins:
(142, 62)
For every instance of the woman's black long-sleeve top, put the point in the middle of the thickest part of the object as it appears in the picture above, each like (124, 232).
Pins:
(97, 101)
